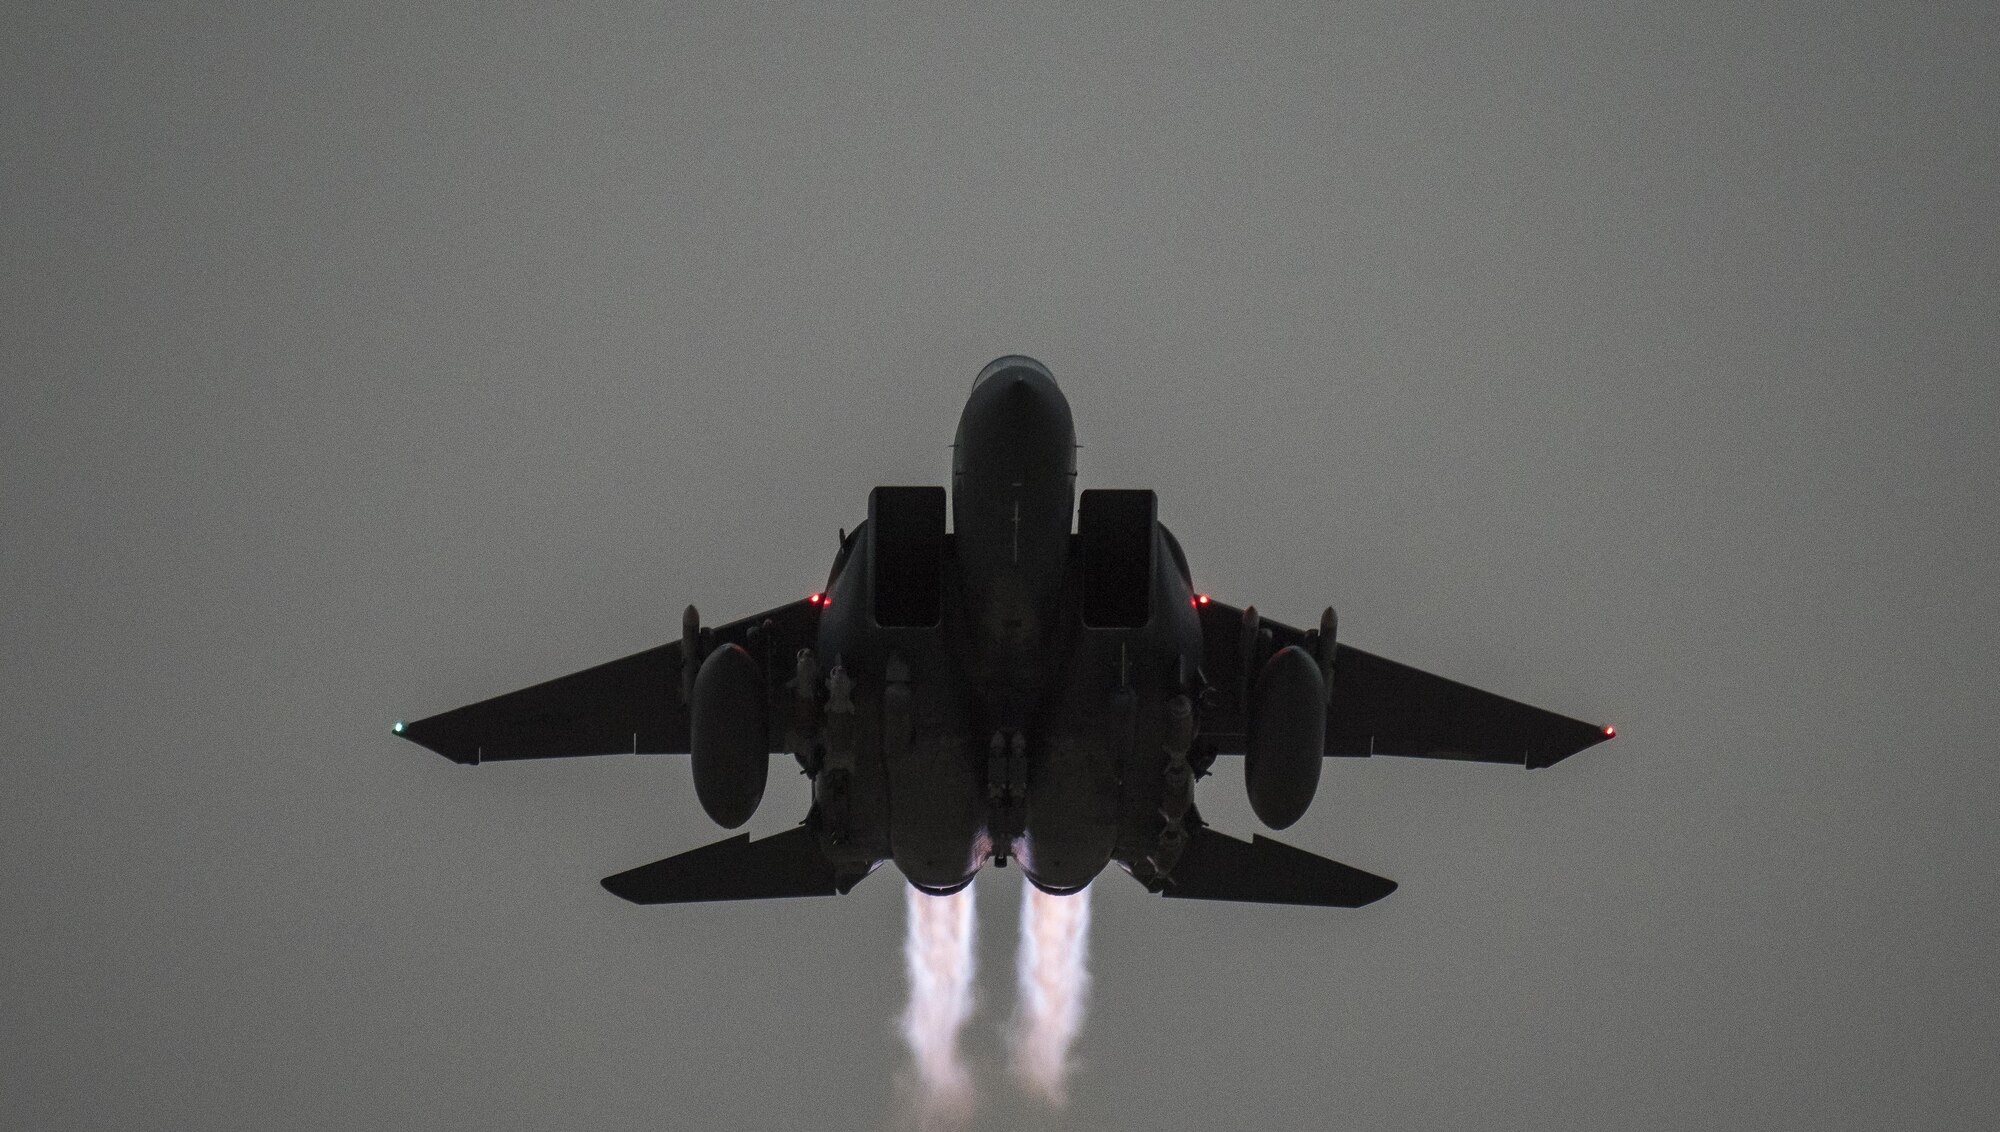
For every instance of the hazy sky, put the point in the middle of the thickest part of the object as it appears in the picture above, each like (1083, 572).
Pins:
(1635, 360)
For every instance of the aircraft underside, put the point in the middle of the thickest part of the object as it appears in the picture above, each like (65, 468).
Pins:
(1036, 681)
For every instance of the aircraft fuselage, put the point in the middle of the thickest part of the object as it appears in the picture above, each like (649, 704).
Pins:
(1030, 733)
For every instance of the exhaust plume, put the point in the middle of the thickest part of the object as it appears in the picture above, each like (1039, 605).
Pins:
(1054, 983)
(938, 952)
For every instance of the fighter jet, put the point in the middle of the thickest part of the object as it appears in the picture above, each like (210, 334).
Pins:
(1037, 681)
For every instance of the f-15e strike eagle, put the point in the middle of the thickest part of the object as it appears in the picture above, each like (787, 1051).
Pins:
(1039, 681)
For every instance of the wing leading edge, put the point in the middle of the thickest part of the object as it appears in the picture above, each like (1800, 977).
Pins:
(631, 705)
(1382, 707)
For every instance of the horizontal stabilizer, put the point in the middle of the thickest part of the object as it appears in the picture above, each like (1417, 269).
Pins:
(789, 864)
(1215, 866)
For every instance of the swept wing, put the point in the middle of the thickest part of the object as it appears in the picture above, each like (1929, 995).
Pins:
(631, 705)
(1382, 707)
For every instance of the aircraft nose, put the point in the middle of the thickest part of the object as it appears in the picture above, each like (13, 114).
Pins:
(1016, 419)
(1019, 367)
(1018, 395)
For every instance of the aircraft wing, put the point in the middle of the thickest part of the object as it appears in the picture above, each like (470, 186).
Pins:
(1381, 707)
(627, 706)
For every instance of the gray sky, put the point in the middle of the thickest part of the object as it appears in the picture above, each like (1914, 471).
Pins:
(361, 361)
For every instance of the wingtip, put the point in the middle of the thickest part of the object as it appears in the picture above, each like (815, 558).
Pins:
(1601, 733)
(613, 886)
(1584, 737)
(1370, 887)
(415, 733)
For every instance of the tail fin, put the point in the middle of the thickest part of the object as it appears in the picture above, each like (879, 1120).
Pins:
(1215, 866)
(789, 864)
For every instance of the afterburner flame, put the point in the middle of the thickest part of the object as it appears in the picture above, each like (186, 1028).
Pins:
(938, 951)
(1054, 983)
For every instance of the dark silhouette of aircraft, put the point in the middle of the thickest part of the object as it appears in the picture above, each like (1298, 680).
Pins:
(1039, 681)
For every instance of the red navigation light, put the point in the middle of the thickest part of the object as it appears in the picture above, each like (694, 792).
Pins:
(1610, 732)
(816, 599)
(1201, 599)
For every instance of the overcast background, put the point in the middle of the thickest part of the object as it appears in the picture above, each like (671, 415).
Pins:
(360, 361)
